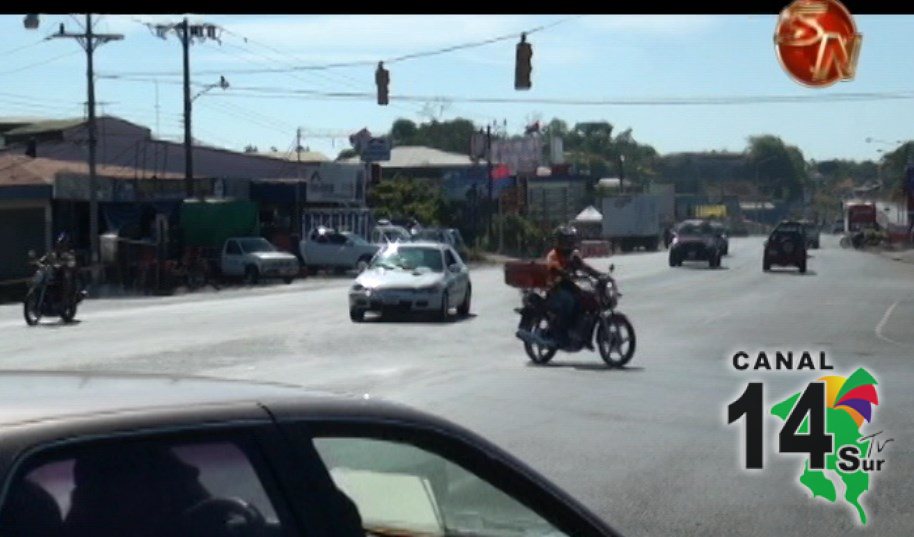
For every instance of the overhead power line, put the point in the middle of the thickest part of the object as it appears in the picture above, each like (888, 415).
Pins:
(357, 63)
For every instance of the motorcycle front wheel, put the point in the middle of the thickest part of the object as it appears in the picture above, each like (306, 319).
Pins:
(541, 355)
(68, 313)
(31, 309)
(616, 340)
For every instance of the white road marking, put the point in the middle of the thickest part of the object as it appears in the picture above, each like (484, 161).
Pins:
(885, 319)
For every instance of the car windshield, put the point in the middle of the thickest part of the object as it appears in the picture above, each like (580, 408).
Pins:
(694, 229)
(394, 234)
(252, 246)
(410, 258)
(791, 228)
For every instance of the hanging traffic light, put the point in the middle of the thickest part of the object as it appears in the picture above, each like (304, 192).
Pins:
(382, 79)
(522, 67)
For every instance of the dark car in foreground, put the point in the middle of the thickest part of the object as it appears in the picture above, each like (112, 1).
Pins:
(116, 455)
(696, 240)
(786, 246)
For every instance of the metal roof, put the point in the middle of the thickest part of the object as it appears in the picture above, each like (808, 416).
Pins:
(418, 156)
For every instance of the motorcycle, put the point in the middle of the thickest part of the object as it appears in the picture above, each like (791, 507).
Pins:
(599, 323)
(45, 297)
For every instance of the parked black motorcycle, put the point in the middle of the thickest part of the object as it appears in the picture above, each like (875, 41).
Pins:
(599, 323)
(55, 290)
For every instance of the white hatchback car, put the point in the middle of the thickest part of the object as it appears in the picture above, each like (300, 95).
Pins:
(418, 276)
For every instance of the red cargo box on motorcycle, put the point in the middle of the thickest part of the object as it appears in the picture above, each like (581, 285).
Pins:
(527, 274)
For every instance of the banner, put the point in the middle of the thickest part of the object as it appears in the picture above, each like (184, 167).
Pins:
(336, 183)
(520, 155)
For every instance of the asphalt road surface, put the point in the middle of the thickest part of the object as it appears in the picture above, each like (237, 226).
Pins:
(647, 447)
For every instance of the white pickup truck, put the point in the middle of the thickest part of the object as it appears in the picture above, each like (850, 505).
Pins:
(254, 258)
(340, 251)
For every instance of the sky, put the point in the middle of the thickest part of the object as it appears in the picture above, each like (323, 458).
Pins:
(614, 58)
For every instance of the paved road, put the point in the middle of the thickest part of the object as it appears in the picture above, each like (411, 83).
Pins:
(646, 447)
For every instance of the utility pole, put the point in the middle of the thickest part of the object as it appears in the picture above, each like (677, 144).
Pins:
(188, 141)
(88, 40)
(187, 32)
(489, 178)
(298, 143)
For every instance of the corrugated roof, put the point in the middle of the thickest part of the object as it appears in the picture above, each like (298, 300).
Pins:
(19, 169)
(306, 156)
(51, 125)
(418, 156)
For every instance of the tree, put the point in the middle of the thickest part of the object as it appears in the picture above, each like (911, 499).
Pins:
(347, 153)
(250, 148)
(403, 132)
(403, 197)
(778, 170)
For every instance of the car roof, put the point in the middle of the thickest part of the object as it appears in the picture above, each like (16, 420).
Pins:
(35, 396)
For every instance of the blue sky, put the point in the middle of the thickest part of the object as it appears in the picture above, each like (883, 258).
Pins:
(591, 57)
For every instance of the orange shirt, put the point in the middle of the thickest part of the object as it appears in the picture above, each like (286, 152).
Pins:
(556, 261)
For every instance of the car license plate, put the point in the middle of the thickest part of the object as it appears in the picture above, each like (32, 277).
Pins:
(391, 299)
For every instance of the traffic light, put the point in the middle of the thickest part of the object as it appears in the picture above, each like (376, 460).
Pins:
(382, 79)
(522, 67)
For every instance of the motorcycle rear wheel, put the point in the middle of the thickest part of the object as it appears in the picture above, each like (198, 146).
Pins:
(616, 340)
(31, 309)
(538, 354)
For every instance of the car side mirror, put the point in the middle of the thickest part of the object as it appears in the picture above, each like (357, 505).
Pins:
(349, 242)
(454, 267)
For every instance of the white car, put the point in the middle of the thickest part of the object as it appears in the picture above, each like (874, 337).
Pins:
(418, 276)
(340, 251)
(254, 258)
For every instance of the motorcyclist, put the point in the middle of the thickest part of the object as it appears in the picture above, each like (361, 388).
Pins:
(563, 261)
(62, 258)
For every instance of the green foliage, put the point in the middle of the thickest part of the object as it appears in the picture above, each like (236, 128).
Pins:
(522, 237)
(401, 197)
(453, 135)
(347, 153)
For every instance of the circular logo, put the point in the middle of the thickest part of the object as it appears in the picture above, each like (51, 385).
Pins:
(817, 42)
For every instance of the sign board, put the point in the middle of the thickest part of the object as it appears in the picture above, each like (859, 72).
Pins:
(375, 150)
(336, 183)
(711, 211)
(521, 155)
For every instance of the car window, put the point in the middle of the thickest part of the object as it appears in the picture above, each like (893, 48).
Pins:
(143, 488)
(256, 245)
(403, 489)
(337, 239)
(233, 248)
(449, 258)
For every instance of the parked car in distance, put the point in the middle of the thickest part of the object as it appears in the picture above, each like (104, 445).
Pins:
(425, 277)
(695, 240)
(254, 258)
(383, 234)
(340, 251)
(786, 246)
(106, 454)
(811, 231)
(449, 236)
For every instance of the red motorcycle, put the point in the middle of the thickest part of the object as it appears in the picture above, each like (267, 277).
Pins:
(598, 324)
